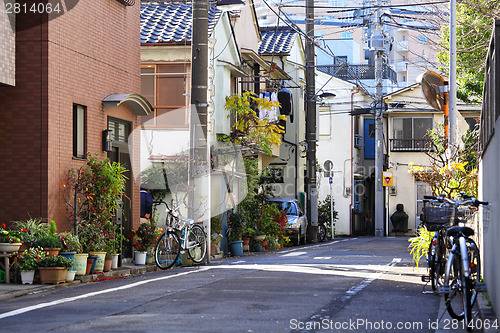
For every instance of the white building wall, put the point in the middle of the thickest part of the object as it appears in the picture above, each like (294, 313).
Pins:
(7, 48)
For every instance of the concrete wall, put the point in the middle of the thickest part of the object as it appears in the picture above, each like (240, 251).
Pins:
(489, 190)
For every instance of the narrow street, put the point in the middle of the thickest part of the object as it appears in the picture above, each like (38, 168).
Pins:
(356, 285)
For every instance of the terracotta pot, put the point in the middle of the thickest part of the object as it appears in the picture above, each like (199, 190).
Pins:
(107, 265)
(213, 249)
(53, 275)
(52, 252)
(246, 240)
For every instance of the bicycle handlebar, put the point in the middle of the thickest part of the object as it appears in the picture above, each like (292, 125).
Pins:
(469, 200)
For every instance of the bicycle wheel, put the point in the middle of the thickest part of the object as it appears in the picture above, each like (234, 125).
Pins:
(167, 250)
(454, 278)
(197, 243)
(431, 259)
(321, 233)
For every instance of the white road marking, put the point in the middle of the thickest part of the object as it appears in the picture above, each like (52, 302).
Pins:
(294, 254)
(322, 258)
(366, 282)
(96, 293)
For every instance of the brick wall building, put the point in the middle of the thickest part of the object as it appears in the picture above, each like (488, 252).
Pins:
(65, 67)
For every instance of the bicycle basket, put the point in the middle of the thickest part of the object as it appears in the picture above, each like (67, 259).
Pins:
(436, 216)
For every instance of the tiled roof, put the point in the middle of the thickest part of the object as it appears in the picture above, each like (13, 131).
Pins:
(171, 22)
(277, 40)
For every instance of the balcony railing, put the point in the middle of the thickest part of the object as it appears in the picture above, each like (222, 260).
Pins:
(360, 72)
(410, 145)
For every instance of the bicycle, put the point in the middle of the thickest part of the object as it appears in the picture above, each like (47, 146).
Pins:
(438, 215)
(462, 277)
(169, 246)
(324, 231)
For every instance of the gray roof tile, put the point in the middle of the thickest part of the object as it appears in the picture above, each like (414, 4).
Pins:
(171, 22)
(277, 40)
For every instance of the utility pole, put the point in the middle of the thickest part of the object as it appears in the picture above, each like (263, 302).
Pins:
(378, 41)
(198, 152)
(312, 192)
(453, 113)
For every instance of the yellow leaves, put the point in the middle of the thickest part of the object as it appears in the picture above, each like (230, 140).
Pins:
(248, 128)
(412, 168)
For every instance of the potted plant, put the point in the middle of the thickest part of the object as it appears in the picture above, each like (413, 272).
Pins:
(145, 238)
(31, 230)
(28, 261)
(53, 269)
(92, 239)
(70, 245)
(9, 240)
(237, 225)
(50, 243)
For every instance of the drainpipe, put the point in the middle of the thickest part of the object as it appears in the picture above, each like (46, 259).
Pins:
(296, 166)
(352, 161)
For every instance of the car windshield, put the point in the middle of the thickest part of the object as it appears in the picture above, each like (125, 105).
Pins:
(287, 206)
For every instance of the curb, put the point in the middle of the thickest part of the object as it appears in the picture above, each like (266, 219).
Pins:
(486, 314)
(123, 271)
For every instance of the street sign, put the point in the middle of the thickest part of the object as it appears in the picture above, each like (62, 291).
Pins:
(328, 165)
(330, 180)
(388, 178)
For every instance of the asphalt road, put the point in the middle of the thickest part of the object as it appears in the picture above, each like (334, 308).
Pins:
(346, 285)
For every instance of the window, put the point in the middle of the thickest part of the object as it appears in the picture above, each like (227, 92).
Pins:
(120, 129)
(410, 134)
(422, 39)
(346, 35)
(166, 88)
(79, 130)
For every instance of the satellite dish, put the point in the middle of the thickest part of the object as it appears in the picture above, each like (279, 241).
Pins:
(433, 90)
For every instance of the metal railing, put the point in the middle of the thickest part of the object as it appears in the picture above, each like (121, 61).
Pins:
(414, 145)
(359, 72)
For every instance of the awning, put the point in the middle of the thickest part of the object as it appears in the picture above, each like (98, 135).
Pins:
(139, 105)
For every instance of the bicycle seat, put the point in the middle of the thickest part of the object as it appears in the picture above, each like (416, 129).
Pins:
(466, 231)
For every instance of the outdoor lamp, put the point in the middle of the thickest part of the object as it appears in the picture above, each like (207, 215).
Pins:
(228, 5)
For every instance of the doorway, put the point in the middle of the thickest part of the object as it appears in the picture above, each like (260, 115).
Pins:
(120, 131)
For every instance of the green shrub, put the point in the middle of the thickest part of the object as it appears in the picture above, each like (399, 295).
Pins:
(56, 261)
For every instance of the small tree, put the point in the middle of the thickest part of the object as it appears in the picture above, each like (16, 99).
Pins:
(451, 171)
(250, 130)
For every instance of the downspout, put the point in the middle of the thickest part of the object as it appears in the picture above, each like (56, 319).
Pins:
(296, 185)
(352, 161)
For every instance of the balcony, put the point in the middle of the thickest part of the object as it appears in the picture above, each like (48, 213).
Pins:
(401, 66)
(402, 46)
(410, 145)
(357, 72)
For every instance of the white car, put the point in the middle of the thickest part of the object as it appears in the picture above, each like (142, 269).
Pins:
(297, 220)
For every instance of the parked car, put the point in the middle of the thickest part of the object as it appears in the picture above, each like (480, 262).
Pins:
(297, 220)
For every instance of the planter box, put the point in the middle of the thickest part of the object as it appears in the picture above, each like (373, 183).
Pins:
(52, 275)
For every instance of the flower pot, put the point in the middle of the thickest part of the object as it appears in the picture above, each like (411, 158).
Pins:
(236, 248)
(213, 249)
(70, 276)
(27, 277)
(69, 255)
(258, 248)
(107, 265)
(91, 261)
(140, 258)
(114, 261)
(52, 275)
(52, 252)
(80, 264)
(264, 244)
(246, 240)
(9, 247)
(99, 266)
